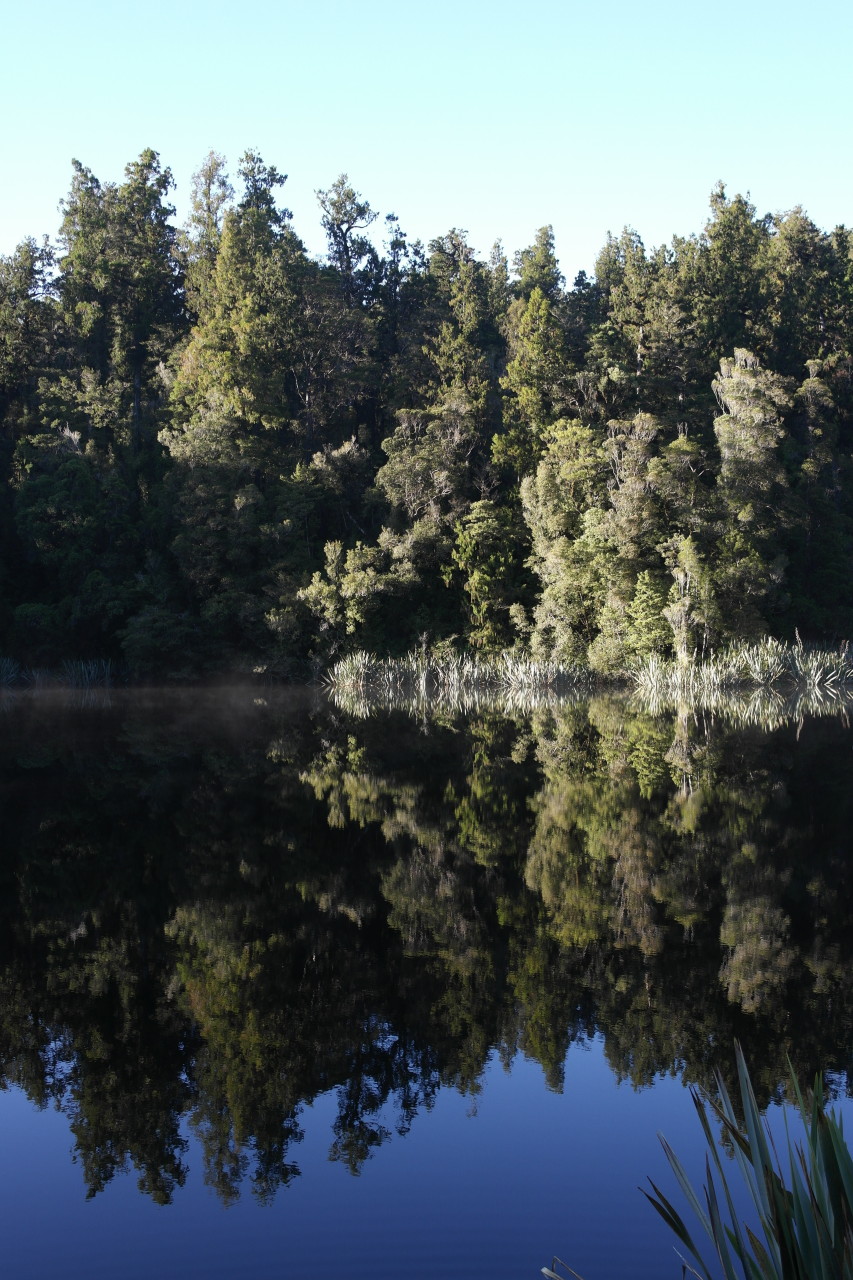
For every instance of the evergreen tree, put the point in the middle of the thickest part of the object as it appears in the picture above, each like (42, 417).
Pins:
(211, 194)
(751, 559)
(120, 287)
(345, 216)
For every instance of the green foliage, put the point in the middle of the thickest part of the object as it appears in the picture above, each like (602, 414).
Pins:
(193, 420)
(211, 193)
(535, 381)
(804, 1212)
(486, 553)
(753, 488)
(345, 216)
(649, 632)
(120, 285)
(26, 317)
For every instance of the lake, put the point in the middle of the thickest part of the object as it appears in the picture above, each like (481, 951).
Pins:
(293, 988)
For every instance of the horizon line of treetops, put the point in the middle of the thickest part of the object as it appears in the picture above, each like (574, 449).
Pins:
(219, 453)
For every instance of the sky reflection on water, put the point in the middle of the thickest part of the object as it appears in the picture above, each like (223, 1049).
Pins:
(490, 1190)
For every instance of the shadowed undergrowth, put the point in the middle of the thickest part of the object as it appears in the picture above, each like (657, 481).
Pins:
(93, 673)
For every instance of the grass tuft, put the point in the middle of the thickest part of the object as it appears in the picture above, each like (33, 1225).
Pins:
(96, 673)
(766, 683)
(457, 681)
(10, 672)
(767, 664)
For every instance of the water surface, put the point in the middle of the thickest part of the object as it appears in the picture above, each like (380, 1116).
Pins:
(290, 988)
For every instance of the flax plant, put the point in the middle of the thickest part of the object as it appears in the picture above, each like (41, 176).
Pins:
(453, 676)
(767, 664)
(802, 1223)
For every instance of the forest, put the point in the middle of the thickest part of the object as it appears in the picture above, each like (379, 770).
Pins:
(219, 454)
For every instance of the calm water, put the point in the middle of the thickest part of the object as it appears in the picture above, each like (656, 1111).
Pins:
(287, 989)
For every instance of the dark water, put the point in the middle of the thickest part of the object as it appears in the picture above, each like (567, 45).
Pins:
(288, 991)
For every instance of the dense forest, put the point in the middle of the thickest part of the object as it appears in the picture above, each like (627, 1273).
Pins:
(219, 453)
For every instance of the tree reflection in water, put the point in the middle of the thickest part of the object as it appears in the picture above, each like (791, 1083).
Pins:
(218, 907)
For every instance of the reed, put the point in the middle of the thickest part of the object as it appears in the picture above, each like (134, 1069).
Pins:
(10, 673)
(766, 664)
(802, 1206)
(453, 674)
(423, 684)
(96, 673)
(767, 683)
(462, 701)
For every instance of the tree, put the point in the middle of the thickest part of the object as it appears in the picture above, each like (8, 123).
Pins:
(345, 216)
(537, 268)
(459, 350)
(692, 609)
(822, 552)
(119, 284)
(535, 382)
(240, 498)
(27, 317)
(753, 489)
(649, 632)
(726, 274)
(563, 504)
(487, 556)
(211, 194)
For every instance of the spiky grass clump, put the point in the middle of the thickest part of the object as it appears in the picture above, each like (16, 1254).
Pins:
(765, 683)
(768, 664)
(10, 672)
(461, 681)
(448, 671)
(806, 1221)
(95, 673)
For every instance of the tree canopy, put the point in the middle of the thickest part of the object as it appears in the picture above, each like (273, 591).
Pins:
(218, 452)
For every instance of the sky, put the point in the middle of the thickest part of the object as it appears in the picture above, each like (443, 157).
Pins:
(490, 116)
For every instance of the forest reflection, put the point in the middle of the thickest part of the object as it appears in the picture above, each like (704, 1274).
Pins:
(765, 706)
(218, 906)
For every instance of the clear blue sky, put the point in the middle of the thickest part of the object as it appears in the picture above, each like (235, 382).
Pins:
(493, 116)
